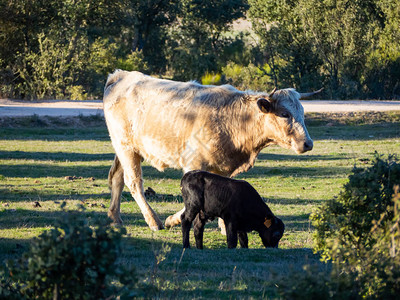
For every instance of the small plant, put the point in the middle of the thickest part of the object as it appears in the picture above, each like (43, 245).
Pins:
(71, 261)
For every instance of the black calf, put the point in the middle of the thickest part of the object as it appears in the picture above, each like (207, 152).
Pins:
(208, 196)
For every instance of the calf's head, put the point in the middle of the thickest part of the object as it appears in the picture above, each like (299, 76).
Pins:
(282, 119)
(271, 232)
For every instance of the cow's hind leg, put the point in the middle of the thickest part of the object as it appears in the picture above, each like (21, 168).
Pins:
(221, 225)
(130, 162)
(174, 220)
(116, 184)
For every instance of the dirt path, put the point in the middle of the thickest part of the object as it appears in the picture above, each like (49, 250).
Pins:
(12, 108)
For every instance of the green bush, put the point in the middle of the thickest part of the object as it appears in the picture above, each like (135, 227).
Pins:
(377, 269)
(369, 272)
(359, 232)
(42, 72)
(314, 283)
(71, 261)
(135, 61)
(75, 70)
(346, 222)
(211, 78)
(249, 77)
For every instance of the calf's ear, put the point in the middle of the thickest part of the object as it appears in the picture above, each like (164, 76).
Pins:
(268, 222)
(264, 105)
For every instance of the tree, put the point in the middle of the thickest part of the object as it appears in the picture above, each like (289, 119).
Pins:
(196, 40)
(329, 40)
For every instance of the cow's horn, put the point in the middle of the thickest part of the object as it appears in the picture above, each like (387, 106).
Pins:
(272, 93)
(307, 95)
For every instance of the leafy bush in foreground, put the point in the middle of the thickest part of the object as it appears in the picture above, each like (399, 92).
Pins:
(71, 261)
(346, 222)
(368, 272)
(360, 233)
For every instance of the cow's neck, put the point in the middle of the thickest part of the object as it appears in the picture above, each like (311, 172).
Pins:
(247, 133)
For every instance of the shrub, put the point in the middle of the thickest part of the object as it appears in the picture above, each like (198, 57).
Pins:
(377, 268)
(314, 283)
(71, 261)
(249, 77)
(368, 272)
(359, 232)
(43, 72)
(346, 222)
(211, 78)
(59, 70)
(134, 61)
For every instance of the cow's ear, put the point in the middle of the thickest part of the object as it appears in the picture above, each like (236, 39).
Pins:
(264, 105)
(268, 222)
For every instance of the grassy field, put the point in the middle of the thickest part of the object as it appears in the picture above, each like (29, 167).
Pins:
(51, 160)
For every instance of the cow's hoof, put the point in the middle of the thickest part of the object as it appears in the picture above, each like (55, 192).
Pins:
(156, 228)
(116, 220)
(116, 224)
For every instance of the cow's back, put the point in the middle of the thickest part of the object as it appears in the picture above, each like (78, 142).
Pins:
(170, 124)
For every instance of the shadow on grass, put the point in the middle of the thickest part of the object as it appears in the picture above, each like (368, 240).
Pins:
(56, 156)
(293, 201)
(42, 195)
(38, 170)
(39, 217)
(363, 132)
(296, 157)
(298, 172)
(318, 130)
(55, 134)
(297, 223)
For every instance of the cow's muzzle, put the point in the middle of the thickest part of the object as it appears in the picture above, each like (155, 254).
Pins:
(304, 146)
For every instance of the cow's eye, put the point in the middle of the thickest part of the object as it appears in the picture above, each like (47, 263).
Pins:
(285, 115)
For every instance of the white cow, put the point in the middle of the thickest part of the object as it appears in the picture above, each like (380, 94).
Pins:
(188, 126)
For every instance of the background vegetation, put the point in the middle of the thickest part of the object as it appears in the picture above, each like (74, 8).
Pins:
(49, 160)
(65, 49)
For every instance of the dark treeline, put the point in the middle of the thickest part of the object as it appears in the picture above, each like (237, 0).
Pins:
(65, 49)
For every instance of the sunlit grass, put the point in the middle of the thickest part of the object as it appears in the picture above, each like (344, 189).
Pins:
(51, 165)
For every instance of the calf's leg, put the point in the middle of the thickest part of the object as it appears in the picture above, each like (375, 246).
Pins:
(186, 219)
(231, 234)
(198, 229)
(243, 240)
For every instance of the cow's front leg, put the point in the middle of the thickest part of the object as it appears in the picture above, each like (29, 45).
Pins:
(133, 179)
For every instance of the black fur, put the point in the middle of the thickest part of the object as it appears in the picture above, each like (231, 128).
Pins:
(208, 196)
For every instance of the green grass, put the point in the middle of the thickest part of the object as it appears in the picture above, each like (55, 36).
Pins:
(52, 160)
